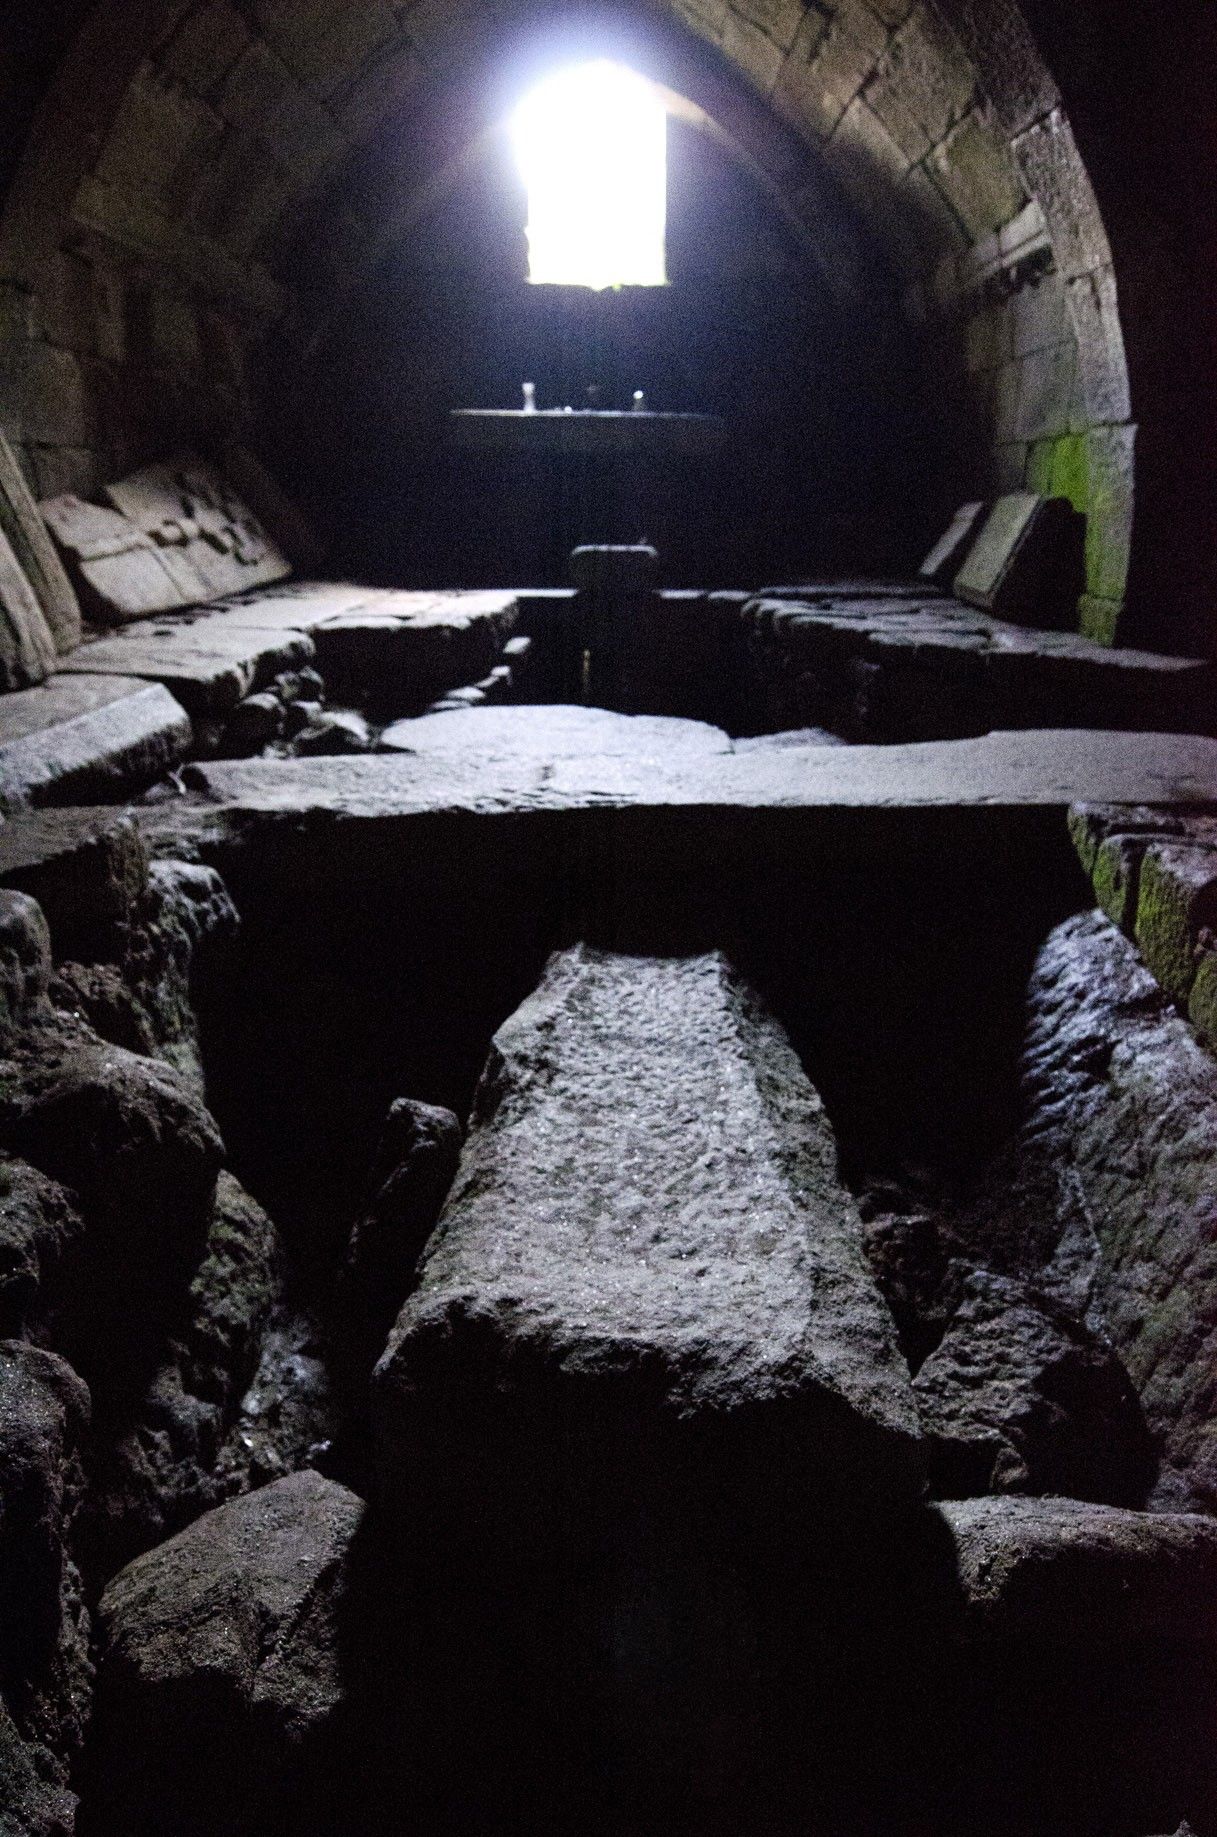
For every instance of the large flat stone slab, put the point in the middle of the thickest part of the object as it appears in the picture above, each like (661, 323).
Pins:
(35, 553)
(999, 771)
(648, 1275)
(78, 738)
(1026, 562)
(27, 648)
(554, 731)
(208, 663)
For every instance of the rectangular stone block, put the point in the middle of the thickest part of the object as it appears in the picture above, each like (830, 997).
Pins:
(1026, 563)
(117, 570)
(973, 169)
(86, 868)
(77, 739)
(829, 60)
(944, 559)
(648, 1267)
(200, 526)
(1176, 906)
(34, 550)
(209, 664)
(27, 650)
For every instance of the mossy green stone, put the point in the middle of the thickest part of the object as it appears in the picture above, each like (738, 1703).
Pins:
(1202, 1002)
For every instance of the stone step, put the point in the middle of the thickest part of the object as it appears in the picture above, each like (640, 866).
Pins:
(86, 869)
(1053, 1569)
(648, 1279)
(209, 663)
(896, 671)
(554, 731)
(77, 738)
(403, 650)
(1001, 771)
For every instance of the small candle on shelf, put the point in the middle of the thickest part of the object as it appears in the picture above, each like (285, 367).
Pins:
(530, 398)
(640, 402)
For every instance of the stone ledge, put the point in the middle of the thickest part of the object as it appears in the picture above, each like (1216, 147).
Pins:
(1154, 874)
(82, 737)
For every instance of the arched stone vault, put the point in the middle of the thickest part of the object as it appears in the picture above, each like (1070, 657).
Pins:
(204, 174)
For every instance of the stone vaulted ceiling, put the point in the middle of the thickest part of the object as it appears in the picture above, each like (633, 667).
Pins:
(249, 160)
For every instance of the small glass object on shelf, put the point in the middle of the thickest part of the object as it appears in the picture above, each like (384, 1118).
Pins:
(640, 402)
(530, 398)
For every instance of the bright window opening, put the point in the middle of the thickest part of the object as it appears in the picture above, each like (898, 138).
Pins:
(592, 147)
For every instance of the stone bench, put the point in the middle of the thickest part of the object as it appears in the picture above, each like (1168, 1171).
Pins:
(87, 737)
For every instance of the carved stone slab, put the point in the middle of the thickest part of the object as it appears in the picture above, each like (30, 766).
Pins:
(170, 537)
(202, 528)
(119, 572)
(24, 528)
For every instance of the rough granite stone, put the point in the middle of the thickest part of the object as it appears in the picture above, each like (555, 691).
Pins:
(25, 959)
(86, 868)
(160, 1467)
(40, 1229)
(1060, 1568)
(45, 1672)
(1021, 1398)
(415, 1165)
(648, 1268)
(132, 1142)
(222, 1663)
(1176, 903)
(77, 738)
(1112, 1186)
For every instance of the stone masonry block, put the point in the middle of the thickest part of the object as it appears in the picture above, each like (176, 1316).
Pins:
(1176, 904)
(46, 400)
(751, 51)
(1007, 60)
(258, 84)
(1039, 315)
(160, 135)
(827, 65)
(205, 46)
(923, 84)
(1055, 175)
(973, 169)
(647, 1255)
(1202, 1002)
(779, 20)
(1111, 455)
(1116, 875)
(1045, 390)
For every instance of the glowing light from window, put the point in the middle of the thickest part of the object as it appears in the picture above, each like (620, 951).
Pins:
(592, 147)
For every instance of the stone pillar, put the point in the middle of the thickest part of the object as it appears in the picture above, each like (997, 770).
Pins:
(616, 585)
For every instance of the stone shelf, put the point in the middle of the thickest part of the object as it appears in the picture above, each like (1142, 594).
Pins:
(599, 432)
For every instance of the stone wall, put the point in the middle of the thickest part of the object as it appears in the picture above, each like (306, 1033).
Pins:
(202, 173)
